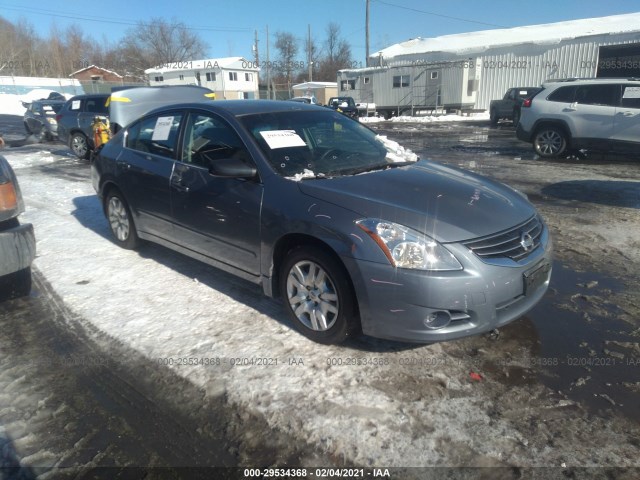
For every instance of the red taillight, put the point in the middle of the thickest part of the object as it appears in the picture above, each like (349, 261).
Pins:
(527, 102)
(58, 117)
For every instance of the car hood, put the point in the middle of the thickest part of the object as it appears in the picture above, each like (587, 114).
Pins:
(448, 204)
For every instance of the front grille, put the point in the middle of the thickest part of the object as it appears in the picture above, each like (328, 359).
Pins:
(509, 244)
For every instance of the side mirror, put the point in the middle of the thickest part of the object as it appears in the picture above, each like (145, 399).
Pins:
(232, 168)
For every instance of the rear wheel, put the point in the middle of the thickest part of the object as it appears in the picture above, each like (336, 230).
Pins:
(549, 141)
(79, 145)
(121, 221)
(317, 295)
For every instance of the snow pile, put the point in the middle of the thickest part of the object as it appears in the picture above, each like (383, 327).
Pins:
(474, 117)
(11, 104)
(305, 174)
(396, 152)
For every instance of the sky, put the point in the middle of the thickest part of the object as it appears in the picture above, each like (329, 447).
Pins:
(229, 28)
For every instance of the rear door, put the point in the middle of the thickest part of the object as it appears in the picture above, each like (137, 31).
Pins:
(593, 112)
(144, 169)
(627, 117)
(216, 217)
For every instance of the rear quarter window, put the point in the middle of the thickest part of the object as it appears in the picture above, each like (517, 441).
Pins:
(563, 94)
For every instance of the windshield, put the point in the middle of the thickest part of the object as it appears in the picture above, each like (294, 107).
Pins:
(310, 144)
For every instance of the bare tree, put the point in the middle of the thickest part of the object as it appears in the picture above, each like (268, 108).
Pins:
(159, 42)
(287, 64)
(337, 54)
(18, 48)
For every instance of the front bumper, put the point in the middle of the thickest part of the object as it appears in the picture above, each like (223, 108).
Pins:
(396, 303)
(17, 248)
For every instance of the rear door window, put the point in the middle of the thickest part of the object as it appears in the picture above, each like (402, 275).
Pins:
(603, 95)
(157, 135)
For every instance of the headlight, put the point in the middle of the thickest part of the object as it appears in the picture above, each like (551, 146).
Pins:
(407, 248)
(52, 121)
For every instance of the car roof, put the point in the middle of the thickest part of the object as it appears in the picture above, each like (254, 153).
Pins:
(239, 108)
(90, 95)
(49, 102)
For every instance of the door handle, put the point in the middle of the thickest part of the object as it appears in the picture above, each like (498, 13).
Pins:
(628, 114)
(180, 187)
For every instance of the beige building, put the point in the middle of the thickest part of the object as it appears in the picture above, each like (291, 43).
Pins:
(323, 91)
(230, 78)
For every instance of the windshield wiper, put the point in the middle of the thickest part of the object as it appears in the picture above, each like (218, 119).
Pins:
(373, 168)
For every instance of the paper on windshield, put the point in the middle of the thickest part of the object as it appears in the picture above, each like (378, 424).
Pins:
(162, 129)
(282, 139)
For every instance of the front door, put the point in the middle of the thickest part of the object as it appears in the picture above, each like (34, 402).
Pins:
(216, 217)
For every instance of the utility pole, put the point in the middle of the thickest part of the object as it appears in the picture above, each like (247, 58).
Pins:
(310, 59)
(256, 56)
(268, 68)
(366, 60)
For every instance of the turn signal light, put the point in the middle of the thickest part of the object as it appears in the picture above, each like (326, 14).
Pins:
(8, 197)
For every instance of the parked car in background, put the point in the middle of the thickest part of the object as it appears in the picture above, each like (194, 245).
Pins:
(311, 100)
(509, 106)
(346, 105)
(40, 118)
(352, 231)
(17, 241)
(594, 114)
(75, 120)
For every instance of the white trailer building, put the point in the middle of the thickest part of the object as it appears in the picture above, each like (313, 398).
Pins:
(466, 71)
(230, 77)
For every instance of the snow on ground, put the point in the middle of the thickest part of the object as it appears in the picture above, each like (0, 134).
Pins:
(172, 309)
(163, 306)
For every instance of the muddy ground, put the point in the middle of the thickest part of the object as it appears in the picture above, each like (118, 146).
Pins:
(555, 395)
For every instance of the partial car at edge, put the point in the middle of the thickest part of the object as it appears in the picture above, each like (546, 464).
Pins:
(17, 241)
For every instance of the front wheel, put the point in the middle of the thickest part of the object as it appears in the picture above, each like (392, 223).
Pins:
(80, 145)
(549, 142)
(121, 221)
(317, 295)
(493, 117)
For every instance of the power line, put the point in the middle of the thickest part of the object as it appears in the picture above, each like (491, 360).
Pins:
(439, 14)
(114, 21)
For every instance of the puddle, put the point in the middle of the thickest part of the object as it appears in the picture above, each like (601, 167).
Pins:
(585, 350)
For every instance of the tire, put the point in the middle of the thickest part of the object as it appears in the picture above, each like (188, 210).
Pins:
(80, 145)
(516, 118)
(493, 117)
(120, 221)
(317, 295)
(549, 141)
(27, 129)
(15, 285)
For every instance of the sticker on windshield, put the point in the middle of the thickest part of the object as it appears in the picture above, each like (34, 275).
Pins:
(282, 139)
(162, 129)
(75, 105)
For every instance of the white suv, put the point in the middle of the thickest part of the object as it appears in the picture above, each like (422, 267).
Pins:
(595, 114)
